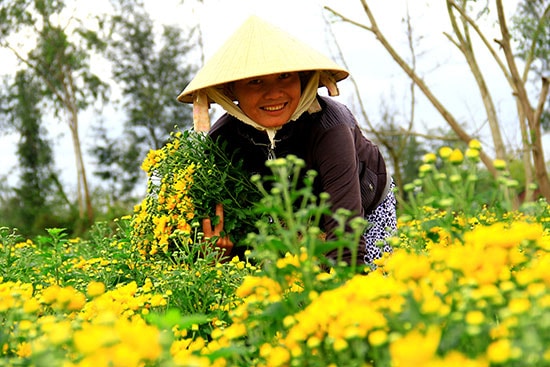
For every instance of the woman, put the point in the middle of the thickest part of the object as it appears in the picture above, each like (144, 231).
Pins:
(267, 82)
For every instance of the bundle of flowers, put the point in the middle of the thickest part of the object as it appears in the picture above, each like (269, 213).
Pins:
(187, 178)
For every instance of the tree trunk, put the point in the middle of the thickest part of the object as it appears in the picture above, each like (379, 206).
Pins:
(538, 151)
(86, 211)
(465, 46)
(533, 116)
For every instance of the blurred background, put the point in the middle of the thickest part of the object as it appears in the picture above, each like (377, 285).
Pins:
(88, 88)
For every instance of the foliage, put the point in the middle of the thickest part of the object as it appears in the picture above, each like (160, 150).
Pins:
(467, 19)
(117, 165)
(67, 302)
(149, 71)
(452, 184)
(478, 299)
(531, 26)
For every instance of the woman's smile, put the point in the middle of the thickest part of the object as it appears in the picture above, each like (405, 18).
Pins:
(274, 108)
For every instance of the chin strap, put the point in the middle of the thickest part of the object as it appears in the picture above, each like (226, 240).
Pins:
(327, 79)
(201, 117)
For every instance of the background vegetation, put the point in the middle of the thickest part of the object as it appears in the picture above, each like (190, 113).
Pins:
(56, 79)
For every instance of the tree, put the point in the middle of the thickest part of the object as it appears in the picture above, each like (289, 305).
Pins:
(60, 60)
(34, 152)
(150, 72)
(30, 204)
(118, 162)
(464, 27)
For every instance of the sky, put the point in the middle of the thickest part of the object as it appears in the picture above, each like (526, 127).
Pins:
(380, 81)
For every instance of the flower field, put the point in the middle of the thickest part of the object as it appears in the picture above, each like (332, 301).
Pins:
(466, 285)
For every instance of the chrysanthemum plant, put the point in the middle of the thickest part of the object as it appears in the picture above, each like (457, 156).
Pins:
(289, 246)
(452, 193)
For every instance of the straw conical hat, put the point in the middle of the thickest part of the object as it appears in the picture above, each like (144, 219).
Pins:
(259, 48)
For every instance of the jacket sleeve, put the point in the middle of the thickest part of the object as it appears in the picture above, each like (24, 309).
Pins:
(338, 166)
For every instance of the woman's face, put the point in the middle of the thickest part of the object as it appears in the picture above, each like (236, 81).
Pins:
(269, 100)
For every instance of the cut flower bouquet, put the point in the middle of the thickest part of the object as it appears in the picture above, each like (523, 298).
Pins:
(188, 177)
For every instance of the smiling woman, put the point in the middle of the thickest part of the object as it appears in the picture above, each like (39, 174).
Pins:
(268, 81)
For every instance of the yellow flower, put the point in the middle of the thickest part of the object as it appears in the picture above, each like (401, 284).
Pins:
(415, 348)
(25, 325)
(289, 321)
(274, 356)
(235, 331)
(153, 157)
(58, 332)
(91, 338)
(456, 156)
(404, 266)
(445, 152)
(378, 337)
(95, 289)
(31, 305)
(340, 344)
(142, 339)
(429, 158)
(313, 342)
(474, 144)
(519, 305)
(499, 351)
(472, 154)
(24, 350)
(425, 168)
(475, 317)
(499, 164)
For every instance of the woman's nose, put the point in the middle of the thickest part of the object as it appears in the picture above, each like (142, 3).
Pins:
(273, 90)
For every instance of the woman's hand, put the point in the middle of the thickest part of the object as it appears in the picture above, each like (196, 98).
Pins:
(223, 242)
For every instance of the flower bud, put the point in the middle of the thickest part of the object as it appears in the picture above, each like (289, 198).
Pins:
(499, 164)
(445, 152)
(456, 156)
(429, 158)
(474, 144)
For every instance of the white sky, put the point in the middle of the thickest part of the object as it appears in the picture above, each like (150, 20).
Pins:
(376, 73)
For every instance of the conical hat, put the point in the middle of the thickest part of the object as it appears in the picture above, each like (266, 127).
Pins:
(259, 48)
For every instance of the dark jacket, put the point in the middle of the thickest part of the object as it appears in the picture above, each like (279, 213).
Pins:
(351, 168)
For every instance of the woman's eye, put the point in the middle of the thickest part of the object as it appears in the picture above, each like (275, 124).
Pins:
(255, 81)
(285, 75)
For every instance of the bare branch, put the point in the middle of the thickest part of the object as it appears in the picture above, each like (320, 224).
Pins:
(483, 39)
(406, 131)
(353, 81)
(38, 71)
(542, 100)
(465, 46)
(348, 20)
(516, 79)
(453, 123)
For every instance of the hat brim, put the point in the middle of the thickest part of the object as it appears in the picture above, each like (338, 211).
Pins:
(255, 49)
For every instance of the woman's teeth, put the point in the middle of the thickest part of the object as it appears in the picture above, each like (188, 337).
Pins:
(274, 108)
